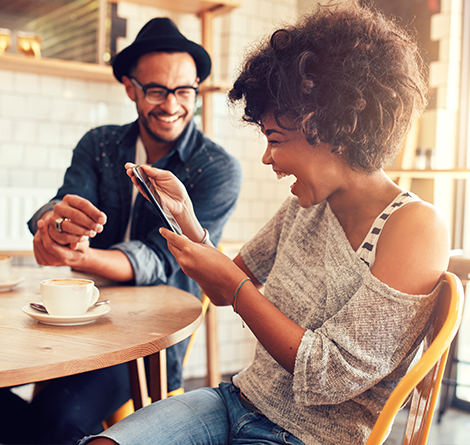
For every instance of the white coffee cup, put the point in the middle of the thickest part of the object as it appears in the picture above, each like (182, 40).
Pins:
(5, 267)
(68, 296)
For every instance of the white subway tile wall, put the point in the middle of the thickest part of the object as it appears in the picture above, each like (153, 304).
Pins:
(18, 204)
(43, 117)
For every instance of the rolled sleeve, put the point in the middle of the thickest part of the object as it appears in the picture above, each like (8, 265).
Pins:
(349, 354)
(148, 268)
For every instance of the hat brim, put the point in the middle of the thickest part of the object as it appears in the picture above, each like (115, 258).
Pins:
(124, 60)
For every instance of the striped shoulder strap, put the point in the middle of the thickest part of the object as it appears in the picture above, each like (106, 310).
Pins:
(368, 247)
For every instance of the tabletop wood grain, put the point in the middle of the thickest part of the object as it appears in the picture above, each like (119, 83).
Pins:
(142, 321)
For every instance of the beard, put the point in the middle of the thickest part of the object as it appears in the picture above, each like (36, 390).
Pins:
(145, 119)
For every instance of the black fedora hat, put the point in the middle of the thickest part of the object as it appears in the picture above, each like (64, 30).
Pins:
(160, 34)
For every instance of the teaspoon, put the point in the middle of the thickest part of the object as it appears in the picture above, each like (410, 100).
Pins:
(40, 307)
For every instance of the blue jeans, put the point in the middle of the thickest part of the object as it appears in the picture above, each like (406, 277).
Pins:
(204, 416)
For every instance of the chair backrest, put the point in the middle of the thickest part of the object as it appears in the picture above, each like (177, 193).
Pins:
(424, 379)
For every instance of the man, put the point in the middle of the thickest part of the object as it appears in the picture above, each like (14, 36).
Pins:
(98, 222)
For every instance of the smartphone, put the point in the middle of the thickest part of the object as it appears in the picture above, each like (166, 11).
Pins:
(167, 218)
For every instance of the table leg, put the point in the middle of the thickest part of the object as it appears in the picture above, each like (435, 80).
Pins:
(157, 376)
(139, 390)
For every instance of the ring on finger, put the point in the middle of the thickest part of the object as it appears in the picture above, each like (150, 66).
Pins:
(58, 224)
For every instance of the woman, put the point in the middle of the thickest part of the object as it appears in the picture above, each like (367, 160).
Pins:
(350, 264)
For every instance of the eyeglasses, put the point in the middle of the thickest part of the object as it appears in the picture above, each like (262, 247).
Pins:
(157, 94)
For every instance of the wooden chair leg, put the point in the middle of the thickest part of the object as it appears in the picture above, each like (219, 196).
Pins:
(212, 347)
(449, 381)
(157, 376)
(139, 392)
(138, 383)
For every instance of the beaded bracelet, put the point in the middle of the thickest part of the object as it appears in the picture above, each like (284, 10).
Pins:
(234, 301)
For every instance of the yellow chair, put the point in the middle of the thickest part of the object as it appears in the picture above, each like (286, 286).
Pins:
(424, 379)
(459, 264)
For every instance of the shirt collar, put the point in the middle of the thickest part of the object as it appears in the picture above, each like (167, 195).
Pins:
(184, 145)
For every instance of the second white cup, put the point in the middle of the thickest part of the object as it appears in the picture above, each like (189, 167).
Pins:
(5, 267)
(68, 296)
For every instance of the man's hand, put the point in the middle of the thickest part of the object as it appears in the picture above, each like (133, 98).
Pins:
(81, 218)
(49, 253)
(81, 221)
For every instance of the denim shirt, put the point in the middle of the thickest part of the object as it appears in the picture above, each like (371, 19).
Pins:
(211, 176)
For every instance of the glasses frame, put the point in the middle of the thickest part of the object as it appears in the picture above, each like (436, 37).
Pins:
(173, 91)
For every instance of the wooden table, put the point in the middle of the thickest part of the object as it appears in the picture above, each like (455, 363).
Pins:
(143, 321)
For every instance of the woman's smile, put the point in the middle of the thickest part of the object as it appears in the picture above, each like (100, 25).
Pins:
(317, 171)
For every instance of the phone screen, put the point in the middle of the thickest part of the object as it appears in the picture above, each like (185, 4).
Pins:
(167, 218)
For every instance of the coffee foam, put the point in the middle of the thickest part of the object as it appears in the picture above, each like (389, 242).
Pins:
(67, 282)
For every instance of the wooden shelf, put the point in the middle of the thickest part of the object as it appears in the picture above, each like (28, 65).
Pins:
(190, 6)
(101, 73)
(56, 67)
(79, 70)
(429, 174)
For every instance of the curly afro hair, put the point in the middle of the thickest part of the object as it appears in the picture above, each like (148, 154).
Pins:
(345, 75)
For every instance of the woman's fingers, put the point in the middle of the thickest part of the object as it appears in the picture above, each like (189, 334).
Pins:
(129, 170)
(170, 189)
(165, 181)
(178, 241)
(156, 173)
(151, 172)
(184, 250)
(204, 264)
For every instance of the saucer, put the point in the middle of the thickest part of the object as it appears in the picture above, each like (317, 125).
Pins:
(10, 283)
(67, 320)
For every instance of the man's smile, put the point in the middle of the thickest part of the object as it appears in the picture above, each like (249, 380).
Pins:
(167, 119)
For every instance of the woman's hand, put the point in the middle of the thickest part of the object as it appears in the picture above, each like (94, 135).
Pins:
(174, 196)
(220, 277)
(216, 273)
(171, 190)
